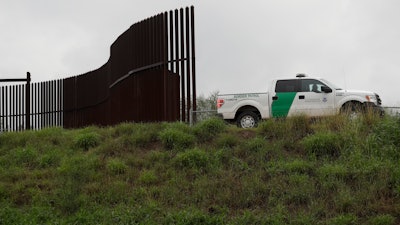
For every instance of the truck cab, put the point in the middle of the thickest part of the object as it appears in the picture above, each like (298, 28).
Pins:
(306, 96)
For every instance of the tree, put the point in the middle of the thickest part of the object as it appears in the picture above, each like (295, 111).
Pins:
(206, 106)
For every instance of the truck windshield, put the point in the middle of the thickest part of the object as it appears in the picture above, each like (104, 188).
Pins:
(333, 86)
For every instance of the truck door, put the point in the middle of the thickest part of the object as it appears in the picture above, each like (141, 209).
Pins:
(282, 98)
(311, 100)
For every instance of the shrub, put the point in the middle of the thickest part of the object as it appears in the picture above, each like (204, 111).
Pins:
(194, 217)
(298, 127)
(237, 164)
(346, 219)
(255, 145)
(25, 156)
(208, 129)
(272, 128)
(298, 166)
(176, 139)
(124, 129)
(345, 200)
(192, 159)
(388, 132)
(116, 166)
(72, 175)
(335, 123)
(300, 189)
(49, 159)
(148, 177)
(13, 139)
(52, 136)
(323, 144)
(87, 140)
(292, 128)
(336, 171)
(115, 192)
(382, 220)
(145, 135)
(226, 141)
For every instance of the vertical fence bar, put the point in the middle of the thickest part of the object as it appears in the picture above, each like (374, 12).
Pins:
(33, 107)
(176, 17)
(44, 97)
(51, 104)
(20, 103)
(171, 40)
(11, 107)
(176, 42)
(1, 109)
(61, 102)
(182, 57)
(28, 102)
(17, 102)
(57, 104)
(31, 112)
(21, 112)
(7, 108)
(47, 103)
(37, 105)
(165, 63)
(193, 64)
(42, 104)
(14, 113)
(15, 107)
(187, 64)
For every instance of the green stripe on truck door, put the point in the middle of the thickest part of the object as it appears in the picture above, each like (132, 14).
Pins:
(281, 106)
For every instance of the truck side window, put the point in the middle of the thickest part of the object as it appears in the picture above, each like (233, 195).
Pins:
(286, 86)
(309, 85)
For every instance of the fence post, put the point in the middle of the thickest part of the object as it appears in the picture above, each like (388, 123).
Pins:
(28, 101)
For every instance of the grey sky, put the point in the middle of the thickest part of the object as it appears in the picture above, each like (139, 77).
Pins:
(240, 45)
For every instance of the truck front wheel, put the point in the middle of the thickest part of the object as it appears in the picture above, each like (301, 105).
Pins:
(247, 119)
(352, 109)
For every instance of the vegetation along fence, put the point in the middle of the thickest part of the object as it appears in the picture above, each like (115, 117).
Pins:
(149, 77)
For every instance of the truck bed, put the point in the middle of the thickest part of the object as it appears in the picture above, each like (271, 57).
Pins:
(233, 102)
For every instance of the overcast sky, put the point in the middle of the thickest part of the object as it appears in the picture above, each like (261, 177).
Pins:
(240, 45)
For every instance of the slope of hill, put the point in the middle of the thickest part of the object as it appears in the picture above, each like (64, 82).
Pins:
(295, 171)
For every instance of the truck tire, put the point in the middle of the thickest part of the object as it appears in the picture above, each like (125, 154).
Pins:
(247, 119)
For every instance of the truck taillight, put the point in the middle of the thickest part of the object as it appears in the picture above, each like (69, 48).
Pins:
(220, 102)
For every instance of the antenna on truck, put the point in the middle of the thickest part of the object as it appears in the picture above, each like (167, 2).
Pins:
(345, 81)
(300, 75)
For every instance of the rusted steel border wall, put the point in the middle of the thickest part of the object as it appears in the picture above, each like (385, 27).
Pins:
(149, 77)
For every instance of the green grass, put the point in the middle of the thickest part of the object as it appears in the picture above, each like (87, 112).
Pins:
(289, 171)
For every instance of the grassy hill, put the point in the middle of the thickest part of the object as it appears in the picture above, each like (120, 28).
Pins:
(294, 171)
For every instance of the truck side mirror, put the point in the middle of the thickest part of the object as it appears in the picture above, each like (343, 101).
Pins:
(326, 89)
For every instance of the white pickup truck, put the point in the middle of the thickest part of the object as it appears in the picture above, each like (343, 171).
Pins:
(302, 95)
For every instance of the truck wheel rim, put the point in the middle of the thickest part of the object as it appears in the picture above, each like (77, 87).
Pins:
(247, 122)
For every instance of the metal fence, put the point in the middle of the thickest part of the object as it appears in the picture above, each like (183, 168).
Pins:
(149, 77)
(392, 110)
(42, 109)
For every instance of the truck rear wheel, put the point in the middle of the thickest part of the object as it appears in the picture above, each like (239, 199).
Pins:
(247, 119)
